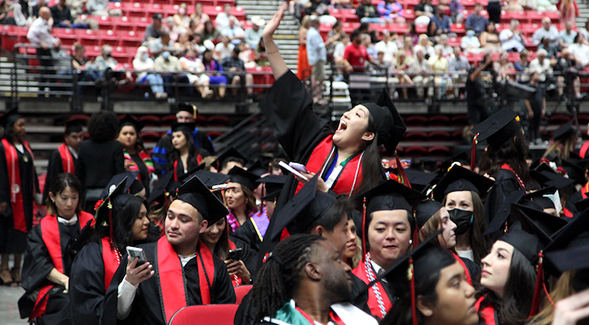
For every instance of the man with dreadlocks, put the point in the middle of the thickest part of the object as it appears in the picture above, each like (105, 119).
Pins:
(305, 281)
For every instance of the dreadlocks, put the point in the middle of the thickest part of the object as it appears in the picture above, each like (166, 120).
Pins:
(281, 273)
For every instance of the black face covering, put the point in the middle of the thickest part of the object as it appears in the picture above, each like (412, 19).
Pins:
(463, 220)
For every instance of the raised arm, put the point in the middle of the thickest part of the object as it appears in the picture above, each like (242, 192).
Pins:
(276, 61)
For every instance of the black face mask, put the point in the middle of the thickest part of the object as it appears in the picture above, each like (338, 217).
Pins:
(463, 220)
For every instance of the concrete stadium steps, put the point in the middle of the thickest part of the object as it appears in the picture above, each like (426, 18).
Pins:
(5, 70)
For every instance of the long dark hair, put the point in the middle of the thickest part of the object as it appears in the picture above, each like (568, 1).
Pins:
(222, 246)
(281, 273)
(60, 183)
(192, 152)
(8, 134)
(514, 307)
(511, 152)
(372, 170)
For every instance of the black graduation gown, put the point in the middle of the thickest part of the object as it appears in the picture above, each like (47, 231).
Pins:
(147, 308)
(249, 256)
(98, 162)
(13, 241)
(473, 269)
(505, 183)
(54, 168)
(248, 234)
(143, 171)
(162, 149)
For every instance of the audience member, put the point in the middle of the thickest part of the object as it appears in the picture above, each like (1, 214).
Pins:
(181, 18)
(105, 60)
(412, 34)
(234, 32)
(99, 8)
(490, 42)
(210, 33)
(154, 30)
(387, 46)
(224, 48)
(580, 51)
(174, 29)
(161, 44)
(512, 40)
(40, 34)
(432, 32)
(552, 50)
(408, 47)
(236, 73)
(439, 64)
(536, 108)
(303, 67)
(333, 36)
(12, 14)
(391, 10)
(425, 45)
(338, 54)
(182, 43)
(223, 18)
(260, 54)
(585, 30)
(476, 95)
(316, 8)
(254, 33)
(568, 11)
(367, 43)
(398, 69)
(494, 10)
(513, 5)
(199, 16)
(424, 11)
(442, 21)
(316, 56)
(214, 71)
(456, 10)
(458, 66)
(476, 21)
(169, 68)
(62, 16)
(470, 43)
(195, 72)
(355, 55)
(503, 66)
(145, 65)
(567, 36)
(522, 66)
(420, 69)
(541, 66)
(447, 50)
(547, 31)
(368, 13)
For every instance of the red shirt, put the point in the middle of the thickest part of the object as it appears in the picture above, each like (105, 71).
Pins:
(356, 56)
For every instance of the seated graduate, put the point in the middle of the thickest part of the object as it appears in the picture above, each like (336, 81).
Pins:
(52, 246)
(431, 288)
(240, 200)
(305, 281)
(387, 231)
(121, 221)
(429, 217)
(511, 293)
(187, 272)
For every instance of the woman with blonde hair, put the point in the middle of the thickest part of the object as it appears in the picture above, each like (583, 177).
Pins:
(563, 143)
(402, 60)
(439, 64)
(303, 67)
(424, 44)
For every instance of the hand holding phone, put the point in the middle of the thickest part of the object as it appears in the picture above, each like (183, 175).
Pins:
(134, 252)
(299, 167)
(235, 254)
(138, 268)
(292, 170)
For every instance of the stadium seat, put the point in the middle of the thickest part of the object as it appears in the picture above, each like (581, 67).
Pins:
(150, 136)
(131, 38)
(457, 28)
(439, 151)
(107, 37)
(398, 28)
(416, 120)
(222, 314)
(415, 136)
(241, 291)
(150, 120)
(168, 120)
(218, 120)
(438, 136)
(409, 14)
(87, 37)
(558, 119)
(459, 119)
(415, 151)
(438, 120)
(214, 134)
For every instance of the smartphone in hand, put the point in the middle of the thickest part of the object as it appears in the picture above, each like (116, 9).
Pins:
(136, 252)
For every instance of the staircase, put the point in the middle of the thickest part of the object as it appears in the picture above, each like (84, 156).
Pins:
(584, 13)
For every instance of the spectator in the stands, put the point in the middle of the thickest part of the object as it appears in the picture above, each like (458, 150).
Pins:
(512, 40)
(399, 68)
(170, 69)
(476, 21)
(210, 32)
(424, 11)
(224, 48)
(432, 32)
(579, 51)
(199, 16)
(439, 64)
(260, 54)
(552, 50)
(541, 65)
(536, 108)
(234, 68)
(585, 30)
(367, 42)
(334, 36)
(368, 13)
(512, 5)
(254, 33)
(338, 53)
(154, 30)
(214, 71)
(470, 43)
(316, 7)
(316, 56)
(12, 14)
(494, 10)
(391, 10)
(458, 66)
(420, 69)
(246, 54)
(199, 43)
(62, 16)
(412, 34)
(425, 45)
(181, 18)
(503, 66)
(145, 65)
(234, 32)
(161, 44)
(182, 43)
(355, 55)
(223, 18)
(40, 34)
(105, 60)
(456, 10)
(567, 36)
(547, 32)
(490, 42)
(447, 50)
(100, 8)
(194, 69)
(568, 11)
(442, 21)
(522, 66)
(387, 46)
(342, 4)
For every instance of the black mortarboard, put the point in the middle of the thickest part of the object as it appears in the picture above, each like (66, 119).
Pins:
(257, 168)
(303, 209)
(419, 180)
(582, 205)
(498, 128)
(164, 187)
(424, 211)
(564, 131)
(538, 197)
(104, 212)
(197, 194)
(187, 107)
(430, 164)
(224, 156)
(504, 213)
(390, 127)
(555, 179)
(575, 170)
(243, 177)
(273, 185)
(9, 117)
(461, 179)
(211, 179)
(74, 125)
(187, 127)
(128, 186)
(128, 119)
(391, 195)
(462, 158)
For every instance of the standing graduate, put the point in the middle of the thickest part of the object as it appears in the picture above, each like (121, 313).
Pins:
(95, 265)
(19, 186)
(180, 271)
(184, 156)
(63, 159)
(136, 159)
(52, 246)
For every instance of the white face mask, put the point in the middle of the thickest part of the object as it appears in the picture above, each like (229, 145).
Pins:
(144, 57)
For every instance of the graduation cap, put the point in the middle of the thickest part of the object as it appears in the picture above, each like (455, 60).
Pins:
(575, 170)
(554, 179)
(74, 125)
(9, 117)
(430, 164)
(228, 155)
(257, 168)
(211, 179)
(187, 107)
(502, 216)
(461, 159)
(461, 179)
(539, 198)
(564, 131)
(243, 177)
(424, 211)
(390, 127)
(128, 119)
(104, 211)
(197, 194)
(498, 128)
(582, 205)
(164, 187)
(131, 184)
(187, 127)
(273, 184)
(303, 209)
(419, 180)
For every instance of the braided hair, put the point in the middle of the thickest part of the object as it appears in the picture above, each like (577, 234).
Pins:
(281, 273)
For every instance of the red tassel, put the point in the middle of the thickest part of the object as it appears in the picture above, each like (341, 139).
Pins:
(364, 239)
(538, 288)
(411, 277)
(401, 172)
(416, 232)
(473, 153)
(261, 209)
(110, 228)
(506, 228)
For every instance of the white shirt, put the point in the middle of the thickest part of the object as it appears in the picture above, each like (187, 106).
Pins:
(551, 33)
(224, 51)
(542, 68)
(67, 222)
(466, 254)
(514, 42)
(581, 52)
(222, 21)
(390, 50)
(40, 32)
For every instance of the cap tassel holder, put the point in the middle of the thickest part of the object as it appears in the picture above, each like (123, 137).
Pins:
(506, 229)
(194, 111)
(410, 275)
(538, 288)
(415, 232)
(110, 228)
(402, 171)
(473, 152)
(364, 230)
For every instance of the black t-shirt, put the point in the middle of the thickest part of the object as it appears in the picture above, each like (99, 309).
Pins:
(423, 7)
(475, 89)
(536, 99)
(60, 15)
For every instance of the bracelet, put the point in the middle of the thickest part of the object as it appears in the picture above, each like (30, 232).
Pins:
(268, 53)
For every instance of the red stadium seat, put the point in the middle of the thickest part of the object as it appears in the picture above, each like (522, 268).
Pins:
(457, 28)
(350, 15)
(398, 28)
(150, 120)
(150, 136)
(454, 41)
(214, 134)
(439, 151)
(169, 119)
(460, 119)
(218, 120)
(409, 14)
(438, 120)
(241, 291)
(416, 120)
(415, 151)
(415, 136)
(438, 136)
(108, 37)
(131, 38)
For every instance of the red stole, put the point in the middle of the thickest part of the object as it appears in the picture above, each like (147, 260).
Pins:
(16, 201)
(345, 181)
(373, 302)
(468, 278)
(111, 259)
(52, 240)
(234, 278)
(487, 314)
(67, 160)
(519, 180)
(567, 213)
(584, 149)
(170, 276)
(198, 161)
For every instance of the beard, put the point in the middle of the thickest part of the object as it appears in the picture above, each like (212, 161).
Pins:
(338, 289)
